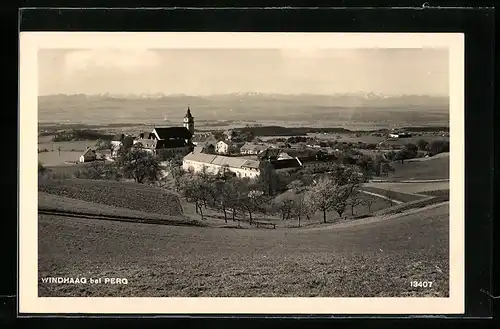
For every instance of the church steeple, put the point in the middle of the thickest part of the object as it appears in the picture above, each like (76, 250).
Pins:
(188, 113)
(188, 121)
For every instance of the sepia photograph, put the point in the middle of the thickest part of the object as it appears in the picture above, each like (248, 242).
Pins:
(279, 166)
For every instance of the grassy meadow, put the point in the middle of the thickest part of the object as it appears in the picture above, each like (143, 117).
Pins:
(376, 259)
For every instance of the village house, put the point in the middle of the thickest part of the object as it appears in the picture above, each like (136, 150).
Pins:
(286, 165)
(202, 138)
(88, 156)
(252, 148)
(214, 163)
(399, 134)
(116, 143)
(227, 147)
(311, 160)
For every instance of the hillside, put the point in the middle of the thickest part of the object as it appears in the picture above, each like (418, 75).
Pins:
(370, 260)
(132, 196)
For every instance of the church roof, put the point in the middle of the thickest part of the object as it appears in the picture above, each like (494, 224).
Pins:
(188, 113)
(173, 132)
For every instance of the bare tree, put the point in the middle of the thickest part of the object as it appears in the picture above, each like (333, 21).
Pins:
(300, 208)
(354, 200)
(320, 196)
(388, 196)
(194, 191)
(284, 204)
(369, 201)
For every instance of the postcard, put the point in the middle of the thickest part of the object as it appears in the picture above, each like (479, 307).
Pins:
(241, 173)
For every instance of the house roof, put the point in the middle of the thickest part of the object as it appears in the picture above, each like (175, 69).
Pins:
(198, 149)
(173, 132)
(161, 144)
(87, 151)
(229, 161)
(285, 164)
(201, 137)
(146, 143)
(251, 164)
(200, 157)
(222, 160)
(253, 147)
(269, 153)
(307, 153)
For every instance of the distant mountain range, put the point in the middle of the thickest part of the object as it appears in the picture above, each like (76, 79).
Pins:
(241, 106)
(342, 100)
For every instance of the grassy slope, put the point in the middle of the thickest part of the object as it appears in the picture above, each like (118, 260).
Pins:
(375, 259)
(118, 194)
(438, 168)
(399, 196)
(409, 188)
(49, 202)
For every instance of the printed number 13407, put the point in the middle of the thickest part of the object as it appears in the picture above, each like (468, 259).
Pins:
(421, 284)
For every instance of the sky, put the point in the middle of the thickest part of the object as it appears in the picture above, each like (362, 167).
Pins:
(221, 71)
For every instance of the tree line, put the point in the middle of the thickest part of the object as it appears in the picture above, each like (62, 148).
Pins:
(272, 194)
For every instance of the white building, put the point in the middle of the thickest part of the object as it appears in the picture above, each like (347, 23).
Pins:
(88, 156)
(214, 163)
(222, 147)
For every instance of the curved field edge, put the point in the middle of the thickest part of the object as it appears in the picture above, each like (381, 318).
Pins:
(54, 204)
(374, 260)
(132, 196)
(421, 203)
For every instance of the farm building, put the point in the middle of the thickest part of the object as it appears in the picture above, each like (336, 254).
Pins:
(252, 148)
(169, 147)
(286, 165)
(203, 138)
(88, 156)
(399, 135)
(214, 163)
(317, 166)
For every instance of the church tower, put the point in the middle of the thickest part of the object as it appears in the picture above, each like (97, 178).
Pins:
(188, 121)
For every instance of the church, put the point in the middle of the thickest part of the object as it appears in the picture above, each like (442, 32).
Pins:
(170, 141)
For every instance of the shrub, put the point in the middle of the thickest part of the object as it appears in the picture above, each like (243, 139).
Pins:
(99, 170)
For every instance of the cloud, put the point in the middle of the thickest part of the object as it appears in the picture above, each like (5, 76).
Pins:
(109, 59)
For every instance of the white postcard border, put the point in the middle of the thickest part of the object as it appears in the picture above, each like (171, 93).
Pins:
(29, 302)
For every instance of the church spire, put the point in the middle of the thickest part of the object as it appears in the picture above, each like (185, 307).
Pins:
(188, 121)
(188, 113)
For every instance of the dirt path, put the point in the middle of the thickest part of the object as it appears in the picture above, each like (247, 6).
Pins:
(381, 196)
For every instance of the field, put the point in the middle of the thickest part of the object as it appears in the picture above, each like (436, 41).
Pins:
(372, 259)
(54, 203)
(117, 194)
(409, 188)
(297, 109)
(437, 167)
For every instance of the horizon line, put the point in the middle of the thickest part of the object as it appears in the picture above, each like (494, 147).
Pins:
(358, 93)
